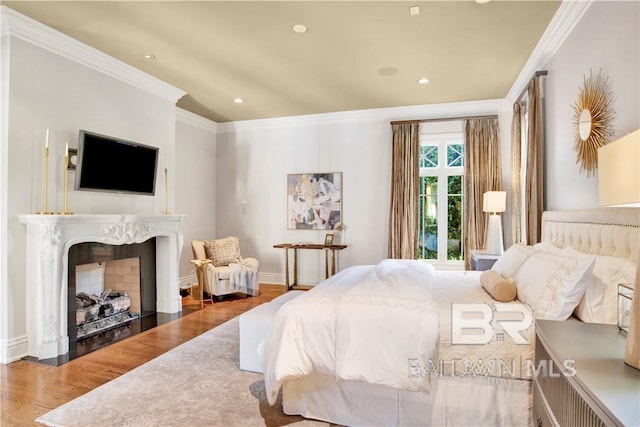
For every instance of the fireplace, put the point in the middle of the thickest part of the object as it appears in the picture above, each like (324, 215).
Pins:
(52, 243)
(109, 285)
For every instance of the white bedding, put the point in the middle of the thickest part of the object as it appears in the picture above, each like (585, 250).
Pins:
(501, 356)
(357, 325)
(416, 343)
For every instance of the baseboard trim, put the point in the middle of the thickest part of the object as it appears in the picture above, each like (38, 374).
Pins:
(187, 280)
(13, 349)
(271, 278)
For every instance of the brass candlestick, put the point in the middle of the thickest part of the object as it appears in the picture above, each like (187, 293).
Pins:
(166, 191)
(44, 211)
(66, 179)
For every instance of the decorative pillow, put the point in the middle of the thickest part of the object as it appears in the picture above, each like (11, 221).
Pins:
(509, 263)
(500, 288)
(223, 251)
(553, 284)
(600, 301)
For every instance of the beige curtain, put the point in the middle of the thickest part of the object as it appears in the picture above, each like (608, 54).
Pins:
(405, 176)
(534, 174)
(482, 173)
(516, 184)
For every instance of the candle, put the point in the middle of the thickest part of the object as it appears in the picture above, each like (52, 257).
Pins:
(66, 178)
(46, 173)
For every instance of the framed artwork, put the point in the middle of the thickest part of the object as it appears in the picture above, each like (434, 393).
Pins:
(314, 201)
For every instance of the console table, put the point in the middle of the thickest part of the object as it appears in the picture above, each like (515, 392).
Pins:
(329, 258)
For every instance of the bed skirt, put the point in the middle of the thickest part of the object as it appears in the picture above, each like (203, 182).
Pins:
(453, 401)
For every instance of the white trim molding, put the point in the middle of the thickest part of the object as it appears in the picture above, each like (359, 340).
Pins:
(430, 111)
(567, 16)
(6, 345)
(192, 119)
(17, 25)
(271, 278)
(13, 349)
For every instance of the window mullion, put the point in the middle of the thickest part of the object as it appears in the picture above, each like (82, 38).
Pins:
(442, 217)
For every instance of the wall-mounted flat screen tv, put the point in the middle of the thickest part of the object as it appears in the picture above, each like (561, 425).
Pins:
(115, 165)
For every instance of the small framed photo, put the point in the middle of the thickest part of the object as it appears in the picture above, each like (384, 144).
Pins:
(328, 239)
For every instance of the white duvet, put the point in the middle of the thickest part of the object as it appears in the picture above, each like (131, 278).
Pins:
(367, 324)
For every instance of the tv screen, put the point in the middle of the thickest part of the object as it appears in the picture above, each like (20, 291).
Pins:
(111, 164)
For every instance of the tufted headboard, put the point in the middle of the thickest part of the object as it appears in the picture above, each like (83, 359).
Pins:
(603, 231)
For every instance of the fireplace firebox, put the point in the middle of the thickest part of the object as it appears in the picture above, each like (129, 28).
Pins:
(109, 286)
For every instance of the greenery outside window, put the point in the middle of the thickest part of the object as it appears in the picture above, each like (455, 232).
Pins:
(440, 233)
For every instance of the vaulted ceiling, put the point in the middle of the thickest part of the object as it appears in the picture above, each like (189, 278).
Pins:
(354, 55)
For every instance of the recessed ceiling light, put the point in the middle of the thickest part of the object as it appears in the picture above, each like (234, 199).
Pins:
(414, 10)
(238, 100)
(299, 28)
(149, 56)
(482, 1)
(423, 81)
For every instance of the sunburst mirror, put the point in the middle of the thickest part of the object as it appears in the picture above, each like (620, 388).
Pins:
(592, 117)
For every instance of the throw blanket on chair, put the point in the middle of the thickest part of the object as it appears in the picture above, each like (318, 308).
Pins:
(243, 276)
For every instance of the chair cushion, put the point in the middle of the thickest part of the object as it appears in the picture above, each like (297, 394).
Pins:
(223, 272)
(223, 251)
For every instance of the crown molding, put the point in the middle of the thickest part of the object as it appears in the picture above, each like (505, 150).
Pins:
(17, 25)
(417, 112)
(192, 119)
(567, 16)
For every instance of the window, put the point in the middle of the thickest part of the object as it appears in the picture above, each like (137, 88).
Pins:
(440, 234)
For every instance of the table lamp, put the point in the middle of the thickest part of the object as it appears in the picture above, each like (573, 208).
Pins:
(494, 202)
(619, 185)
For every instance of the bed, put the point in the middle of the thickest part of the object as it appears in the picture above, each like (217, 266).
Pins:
(357, 350)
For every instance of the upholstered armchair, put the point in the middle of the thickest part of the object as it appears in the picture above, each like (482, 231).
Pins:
(221, 270)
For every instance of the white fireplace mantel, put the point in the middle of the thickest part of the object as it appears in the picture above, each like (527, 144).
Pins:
(49, 238)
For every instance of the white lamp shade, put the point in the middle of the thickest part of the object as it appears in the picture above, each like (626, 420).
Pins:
(619, 185)
(619, 172)
(494, 201)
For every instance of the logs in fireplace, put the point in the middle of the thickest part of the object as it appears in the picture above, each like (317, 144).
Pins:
(97, 313)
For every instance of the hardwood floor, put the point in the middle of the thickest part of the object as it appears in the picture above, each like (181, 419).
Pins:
(31, 389)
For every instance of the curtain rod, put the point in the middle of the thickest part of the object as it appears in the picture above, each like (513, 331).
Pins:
(444, 119)
(526, 87)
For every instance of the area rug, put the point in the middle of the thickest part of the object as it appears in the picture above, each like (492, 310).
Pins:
(197, 383)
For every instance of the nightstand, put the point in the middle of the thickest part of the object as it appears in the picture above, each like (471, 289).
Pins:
(581, 377)
(481, 260)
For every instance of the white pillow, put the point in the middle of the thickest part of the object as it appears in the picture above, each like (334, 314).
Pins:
(600, 301)
(509, 263)
(553, 283)
(547, 247)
